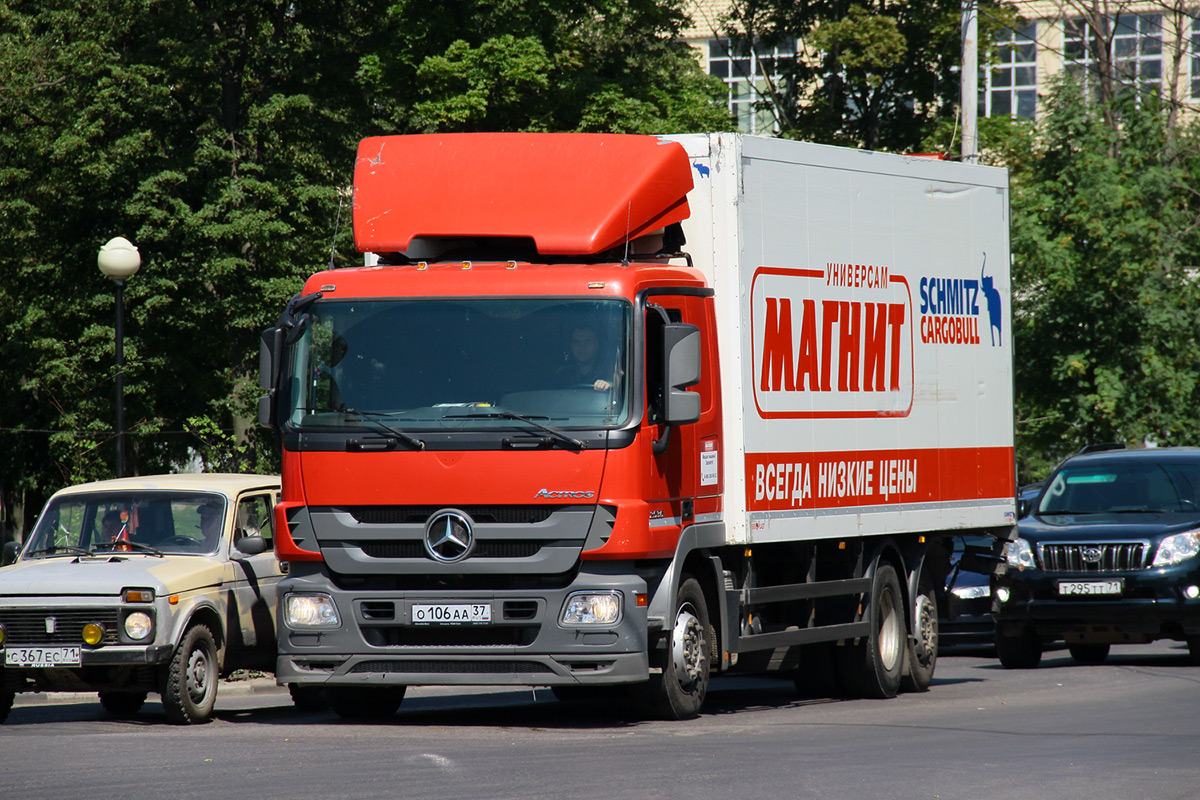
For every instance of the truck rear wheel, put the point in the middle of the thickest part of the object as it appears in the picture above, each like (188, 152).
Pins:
(363, 703)
(872, 668)
(923, 643)
(678, 691)
(189, 681)
(122, 704)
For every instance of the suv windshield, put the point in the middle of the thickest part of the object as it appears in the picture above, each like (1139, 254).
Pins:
(1114, 488)
(461, 364)
(106, 522)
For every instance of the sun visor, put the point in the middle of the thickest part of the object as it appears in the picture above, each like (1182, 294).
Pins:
(573, 194)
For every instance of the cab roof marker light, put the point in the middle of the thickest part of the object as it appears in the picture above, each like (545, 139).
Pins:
(512, 265)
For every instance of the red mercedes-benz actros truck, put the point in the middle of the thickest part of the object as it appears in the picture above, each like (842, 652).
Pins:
(607, 410)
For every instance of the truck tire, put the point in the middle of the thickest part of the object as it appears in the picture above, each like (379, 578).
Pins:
(923, 643)
(1089, 653)
(308, 698)
(365, 703)
(189, 681)
(678, 691)
(1022, 651)
(872, 668)
(122, 704)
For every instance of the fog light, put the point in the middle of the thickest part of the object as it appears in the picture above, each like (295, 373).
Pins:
(1192, 592)
(310, 611)
(1002, 594)
(93, 633)
(592, 608)
(138, 625)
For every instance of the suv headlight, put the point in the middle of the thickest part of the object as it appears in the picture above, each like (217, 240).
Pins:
(1177, 548)
(310, 611)
(592, 608)
(1019, 554)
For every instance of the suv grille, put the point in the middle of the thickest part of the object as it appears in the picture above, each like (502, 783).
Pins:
(24, 627)
(1094, 556)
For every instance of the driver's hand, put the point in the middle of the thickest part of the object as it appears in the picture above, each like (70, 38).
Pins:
(601, 385)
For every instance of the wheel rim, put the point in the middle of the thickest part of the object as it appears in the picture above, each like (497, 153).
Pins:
(687, 648)
(199, 675)
(889, 631)
(927, 630)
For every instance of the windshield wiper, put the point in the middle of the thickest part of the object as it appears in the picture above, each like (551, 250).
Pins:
(373, 417)
(54, 549)
(502, 414)
(141, 547)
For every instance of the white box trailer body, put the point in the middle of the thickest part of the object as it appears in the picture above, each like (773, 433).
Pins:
(882, 425)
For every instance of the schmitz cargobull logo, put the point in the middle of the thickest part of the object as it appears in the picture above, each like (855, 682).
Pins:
(832, 343)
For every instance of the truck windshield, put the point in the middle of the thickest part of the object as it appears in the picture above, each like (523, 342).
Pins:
(139, 522)
(460, 364)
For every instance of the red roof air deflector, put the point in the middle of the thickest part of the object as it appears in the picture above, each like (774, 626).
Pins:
(572, 193)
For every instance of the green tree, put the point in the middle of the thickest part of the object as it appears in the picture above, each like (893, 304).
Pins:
(219, 136)
(1104, 243)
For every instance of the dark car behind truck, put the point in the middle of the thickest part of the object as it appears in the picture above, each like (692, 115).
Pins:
(1109, 555)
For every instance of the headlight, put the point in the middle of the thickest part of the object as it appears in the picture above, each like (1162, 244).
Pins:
(1019, 554)
(1179, 547)
(310, 611)
(971, 592)
(138, 625)
(592, 608)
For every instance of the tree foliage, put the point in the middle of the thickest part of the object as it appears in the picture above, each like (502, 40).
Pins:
(219, 136)
(1105, 247)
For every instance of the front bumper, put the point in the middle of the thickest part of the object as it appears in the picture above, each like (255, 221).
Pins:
(377, 643)
(1153, 604)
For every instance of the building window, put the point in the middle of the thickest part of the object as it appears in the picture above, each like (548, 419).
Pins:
(1011, 83)
(1136, 51)
(1196, 58)
(751, 74)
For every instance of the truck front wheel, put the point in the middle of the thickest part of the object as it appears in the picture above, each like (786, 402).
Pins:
(189, 681)
(678, 691)
(872, 668)
(923, 644)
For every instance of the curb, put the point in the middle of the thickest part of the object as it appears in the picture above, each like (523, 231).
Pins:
(236, 688)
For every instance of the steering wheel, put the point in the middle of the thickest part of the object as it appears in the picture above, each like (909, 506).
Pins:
(184, 540)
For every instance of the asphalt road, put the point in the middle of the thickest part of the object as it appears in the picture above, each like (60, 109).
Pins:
(1127, 729)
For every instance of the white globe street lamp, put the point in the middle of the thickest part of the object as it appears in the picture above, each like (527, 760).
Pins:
(120, 260)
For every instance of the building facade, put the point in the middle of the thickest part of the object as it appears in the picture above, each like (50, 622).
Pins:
(1153, 47)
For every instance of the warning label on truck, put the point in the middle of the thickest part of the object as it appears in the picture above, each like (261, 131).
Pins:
(835, 342)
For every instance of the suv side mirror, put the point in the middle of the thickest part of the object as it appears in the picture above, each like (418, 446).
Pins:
(681, 355)
(251, 545)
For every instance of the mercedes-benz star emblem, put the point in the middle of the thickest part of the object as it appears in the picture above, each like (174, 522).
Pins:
(448, 536)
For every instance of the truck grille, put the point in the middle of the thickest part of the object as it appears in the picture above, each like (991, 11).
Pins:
(483, 549)
(501, 515)
(1094, 556)
(22, 627)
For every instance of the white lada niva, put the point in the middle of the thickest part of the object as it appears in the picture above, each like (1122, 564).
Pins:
(151, 584)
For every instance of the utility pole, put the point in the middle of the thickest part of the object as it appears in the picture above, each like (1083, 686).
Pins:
(969, 101)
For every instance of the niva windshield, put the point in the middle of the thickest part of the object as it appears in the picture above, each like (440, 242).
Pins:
(1130, 488)
(107, 522)
(450, 365)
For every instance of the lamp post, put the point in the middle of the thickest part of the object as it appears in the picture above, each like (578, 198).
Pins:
(120, 260)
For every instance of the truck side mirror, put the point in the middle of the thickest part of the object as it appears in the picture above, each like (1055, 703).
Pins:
(269, 355)
(681, 355)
